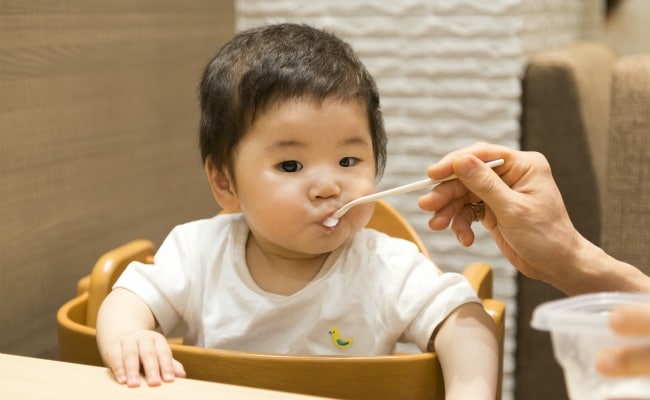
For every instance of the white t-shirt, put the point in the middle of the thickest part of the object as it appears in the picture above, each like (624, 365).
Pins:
(372, 292)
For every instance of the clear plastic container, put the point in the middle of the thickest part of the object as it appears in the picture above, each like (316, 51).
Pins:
(579, 328)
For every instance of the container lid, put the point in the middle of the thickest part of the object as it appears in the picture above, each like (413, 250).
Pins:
(587, 311)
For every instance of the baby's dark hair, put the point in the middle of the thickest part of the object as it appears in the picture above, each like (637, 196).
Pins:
(264, 66)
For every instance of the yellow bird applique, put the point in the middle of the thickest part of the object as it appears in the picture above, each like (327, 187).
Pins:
(337, 340)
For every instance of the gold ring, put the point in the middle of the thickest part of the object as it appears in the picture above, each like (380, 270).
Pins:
(478, 209)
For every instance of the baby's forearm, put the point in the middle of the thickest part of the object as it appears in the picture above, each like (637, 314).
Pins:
(467, 347)
(122, 321)
(120, 313)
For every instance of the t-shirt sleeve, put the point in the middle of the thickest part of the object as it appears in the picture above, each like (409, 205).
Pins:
(418, 295)
(164, 285)
(448, 292)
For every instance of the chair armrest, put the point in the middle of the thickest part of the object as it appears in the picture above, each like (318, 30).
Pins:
(82, 285)
(479, 276)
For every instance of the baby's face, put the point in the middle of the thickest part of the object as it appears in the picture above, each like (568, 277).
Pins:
(297, 164)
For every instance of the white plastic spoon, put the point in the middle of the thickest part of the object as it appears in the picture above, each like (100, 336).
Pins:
(334, 219)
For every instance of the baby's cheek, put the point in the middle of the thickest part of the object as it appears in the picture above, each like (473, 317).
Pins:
(362, 215)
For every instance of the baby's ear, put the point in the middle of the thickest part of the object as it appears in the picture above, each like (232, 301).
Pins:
(223, 188)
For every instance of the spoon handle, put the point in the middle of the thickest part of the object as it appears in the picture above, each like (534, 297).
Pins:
(403, 189)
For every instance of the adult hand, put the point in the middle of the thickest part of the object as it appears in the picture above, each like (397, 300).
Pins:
(524, 211)
(629, 320)
(527, 218)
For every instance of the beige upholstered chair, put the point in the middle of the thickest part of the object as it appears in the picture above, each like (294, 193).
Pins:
(626, 205)
(586, 109)
(565, 116)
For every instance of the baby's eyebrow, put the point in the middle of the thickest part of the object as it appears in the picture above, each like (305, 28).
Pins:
(350, 141)
(283, 144)
(356, 141)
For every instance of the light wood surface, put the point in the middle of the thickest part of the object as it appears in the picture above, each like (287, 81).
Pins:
(34, 378)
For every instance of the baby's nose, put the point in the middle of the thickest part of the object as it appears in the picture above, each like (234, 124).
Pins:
(324, 187)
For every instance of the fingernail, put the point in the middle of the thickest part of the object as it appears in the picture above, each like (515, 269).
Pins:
(459, 237)
(120, 376)
(133, 381)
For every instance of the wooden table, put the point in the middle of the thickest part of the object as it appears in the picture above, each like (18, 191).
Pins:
(33, 378)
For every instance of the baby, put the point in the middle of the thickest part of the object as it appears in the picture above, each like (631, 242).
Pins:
(291, 129)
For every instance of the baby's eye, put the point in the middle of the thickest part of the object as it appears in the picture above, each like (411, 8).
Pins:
(348, 161)
(290, 166)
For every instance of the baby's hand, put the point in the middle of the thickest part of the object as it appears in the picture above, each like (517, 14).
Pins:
(149, 348)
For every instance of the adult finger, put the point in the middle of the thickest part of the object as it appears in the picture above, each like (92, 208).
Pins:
(443, 213)
(624, 361)
(632, 319)
(462, 226)
(483, 182)
(484, 151)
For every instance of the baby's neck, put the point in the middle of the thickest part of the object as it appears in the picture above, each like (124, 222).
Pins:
(279, 273)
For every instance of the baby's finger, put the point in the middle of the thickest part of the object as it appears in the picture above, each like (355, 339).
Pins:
(165, 360)
(131, 362)
(150, 361)
(116, 364)
(179, 370)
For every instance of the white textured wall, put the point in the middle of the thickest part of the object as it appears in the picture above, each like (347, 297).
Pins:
(551, 23)
(449, 74)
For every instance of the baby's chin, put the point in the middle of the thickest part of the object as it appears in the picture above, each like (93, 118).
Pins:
(318, 247)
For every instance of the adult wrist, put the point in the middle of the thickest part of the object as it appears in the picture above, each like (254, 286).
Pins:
(593, 270)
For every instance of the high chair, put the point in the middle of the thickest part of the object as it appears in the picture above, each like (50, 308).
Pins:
(398, 376)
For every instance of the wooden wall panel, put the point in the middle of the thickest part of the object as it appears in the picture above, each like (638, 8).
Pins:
(98, 141)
